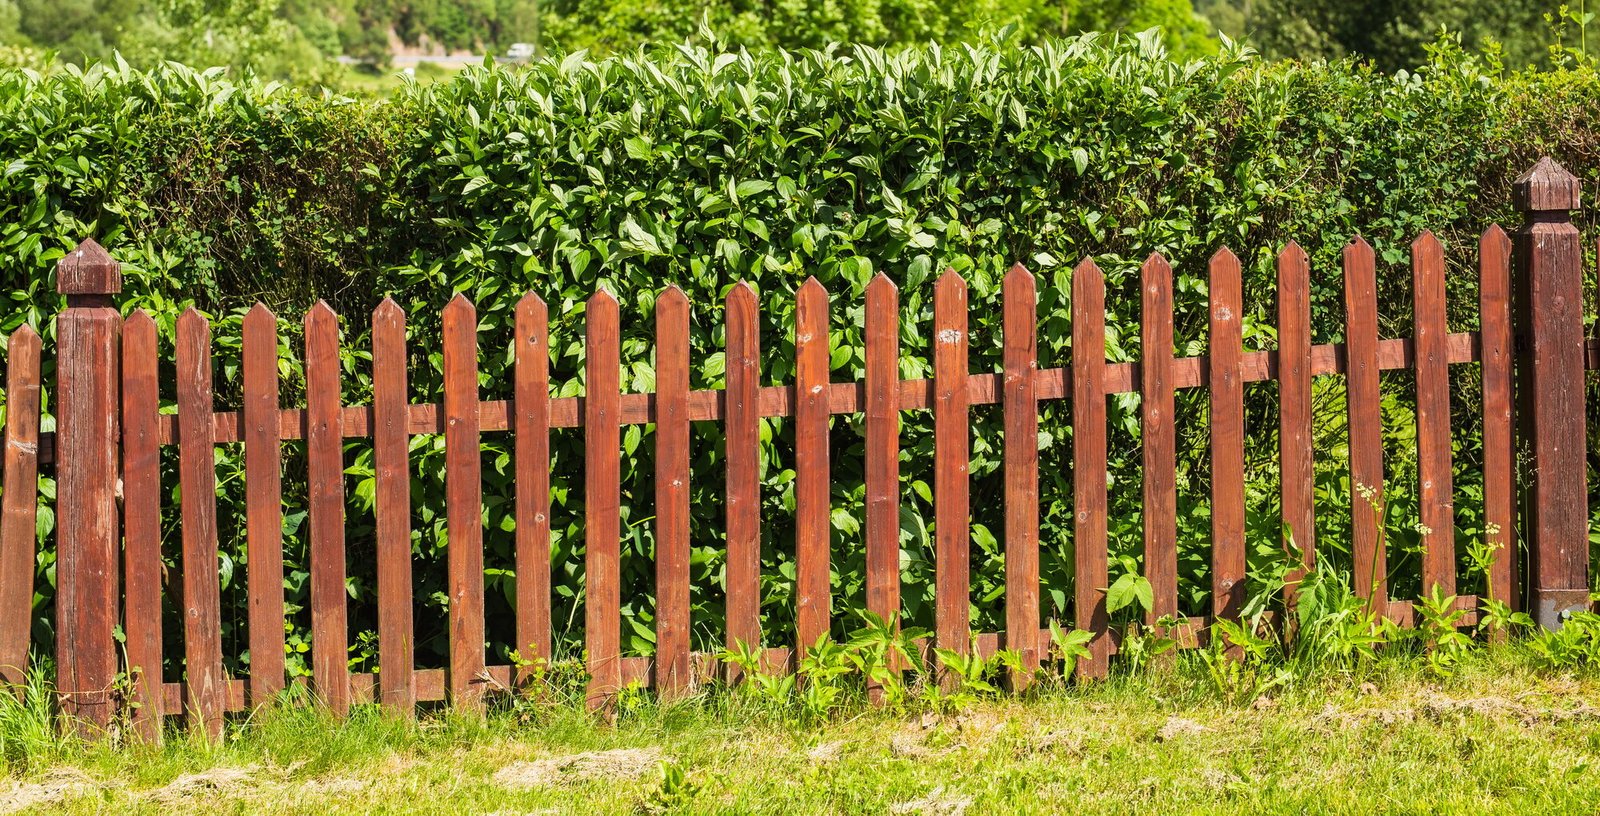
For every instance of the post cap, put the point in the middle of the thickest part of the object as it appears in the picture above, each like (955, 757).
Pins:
(1548, 187)
(88, 270)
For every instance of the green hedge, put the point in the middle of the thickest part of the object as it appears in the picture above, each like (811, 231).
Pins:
(704, 169)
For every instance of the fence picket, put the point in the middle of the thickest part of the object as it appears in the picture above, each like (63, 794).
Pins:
(881, 329)
(391, 460)
(531, 425)
(202, 601)
(742, 435)
(1294, 403)
(672, 494)
(1499, 447)
(1020, 402)
(1089, 464)
(325, 499)
(463, 464)
(951, 455)
(1227, 437)
(20, 502)
(1365, 420)
(1159, 440)
(263, 503)
(141, 522)
(813, 526)
(1436, 501)
(602, 500)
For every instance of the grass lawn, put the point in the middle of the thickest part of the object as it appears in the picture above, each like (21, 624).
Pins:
(1500, 736)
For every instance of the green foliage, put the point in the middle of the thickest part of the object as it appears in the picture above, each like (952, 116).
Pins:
(1575, 645)
(1393, 34)
(703, 168)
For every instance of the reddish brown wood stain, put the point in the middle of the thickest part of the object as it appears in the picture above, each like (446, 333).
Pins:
(111, 382)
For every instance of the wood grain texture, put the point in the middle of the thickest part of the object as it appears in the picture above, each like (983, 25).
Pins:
(672, 679)
(263, 479)
(1436, 493)
(1158, 438)
(1499, 441)
(1089, 465)
(1364, 412)
(391, 460)
(1228, 584)
(602, 501)
(881, 330)
(952, 524)
(1020, 403)
(1551, 401)
(1294, 405)
(142, 567)
(742, 434)
(531, 424)
(88, 526)
(330, 635)
(19, 507)
(463, 481)
(813, 525)
(202, 592)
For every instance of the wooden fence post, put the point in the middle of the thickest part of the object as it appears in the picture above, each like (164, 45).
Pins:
(87, 526)
(1550, 388)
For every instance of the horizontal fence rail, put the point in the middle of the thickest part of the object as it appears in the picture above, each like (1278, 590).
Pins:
(131, 384)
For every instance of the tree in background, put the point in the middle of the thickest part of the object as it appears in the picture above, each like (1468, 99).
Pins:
(605, 25)
(1392, 34)
(297, 39)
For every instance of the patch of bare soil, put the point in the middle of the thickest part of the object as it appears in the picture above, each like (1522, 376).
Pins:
(53, 788)
(215, 781)
(1176, 727)
(622, 763)
(936, 803)
(826, 752)
(1437, 708)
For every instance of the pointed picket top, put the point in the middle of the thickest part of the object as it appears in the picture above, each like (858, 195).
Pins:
(742, 293)
(883, 283)
(532, 302)
(192, 317)
(388, 310)
(1292, 253)
(950, 280)
(138, 319)
(1357, 246)
(88, 270)
(1547, 187)
(1426, 242)
(1153, 268)
(672, 295)
(460, 308)
(259, 314)
(812, 288)
(1494, 236)
(602, 297)
(321, 313)
(1086, 267)
(1224, 274)
(1017, 275)
(26, 334)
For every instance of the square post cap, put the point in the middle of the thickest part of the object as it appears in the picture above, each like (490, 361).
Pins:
(88, 270)
(1547, 187)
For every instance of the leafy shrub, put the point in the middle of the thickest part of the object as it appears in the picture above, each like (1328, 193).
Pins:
(699, 168)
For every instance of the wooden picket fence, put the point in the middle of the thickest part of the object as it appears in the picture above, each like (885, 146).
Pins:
(109, 425)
